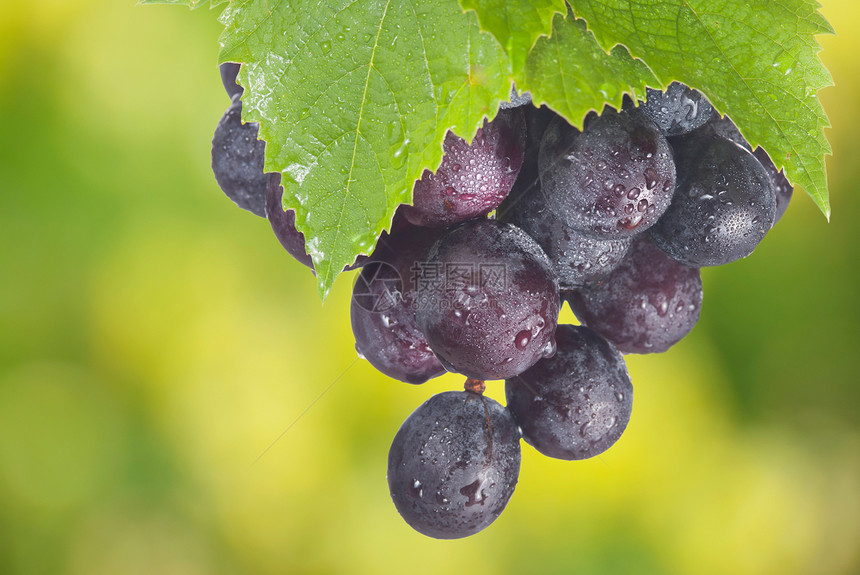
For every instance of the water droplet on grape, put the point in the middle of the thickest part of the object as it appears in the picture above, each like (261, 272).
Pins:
(522, 340)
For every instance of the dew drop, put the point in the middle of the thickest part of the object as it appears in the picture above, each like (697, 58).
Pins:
(522, 340)
(416, 490)
(549, 349)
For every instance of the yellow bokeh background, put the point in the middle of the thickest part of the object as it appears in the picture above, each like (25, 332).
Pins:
(174, 399)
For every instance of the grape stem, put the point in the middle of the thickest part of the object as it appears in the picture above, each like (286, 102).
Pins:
(476, 386)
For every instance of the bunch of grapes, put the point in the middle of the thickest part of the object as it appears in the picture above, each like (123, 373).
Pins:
(617, 219)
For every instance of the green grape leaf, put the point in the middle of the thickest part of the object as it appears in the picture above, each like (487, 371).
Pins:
(755, 60)
(354, 100)
(355, 97)
(516, 25)
(190, 3)
(574, 86)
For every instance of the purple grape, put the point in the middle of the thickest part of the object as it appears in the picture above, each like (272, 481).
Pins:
(782, 189)
(473, 179)
(383, 307)
(725, 128)
(454, 464)
(237, 160)
(229, 72)
(646, 305)
(723, 206)
(678, 110)
(577, 259)
(576, 404)
(488, 300)
(284, 222)
(611, 181)
(537, 120)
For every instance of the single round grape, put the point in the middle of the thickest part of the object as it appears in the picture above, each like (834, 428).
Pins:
(577, 259)
(229, 72)
(611, 181)
(382, 310)
(646, 305)
(237, 160)
(576, 404)
(782, 189)
(488, 300)
(453, 464)
(678, 110)
(473, 179)
(723, 206)
(284, 222)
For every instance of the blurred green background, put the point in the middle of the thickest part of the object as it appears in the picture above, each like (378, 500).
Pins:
(155, 340)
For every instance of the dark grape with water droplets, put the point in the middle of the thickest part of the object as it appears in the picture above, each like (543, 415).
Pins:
(454, 464)
(481, 298)
(488, 300)
(576, 404)
(648, 304)
(613, 180)
(679, 110)
(473, 179)
(237, 160)
(382, 311)
(782, 189)
(577, 259)
(284, 222)
(724, 203)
